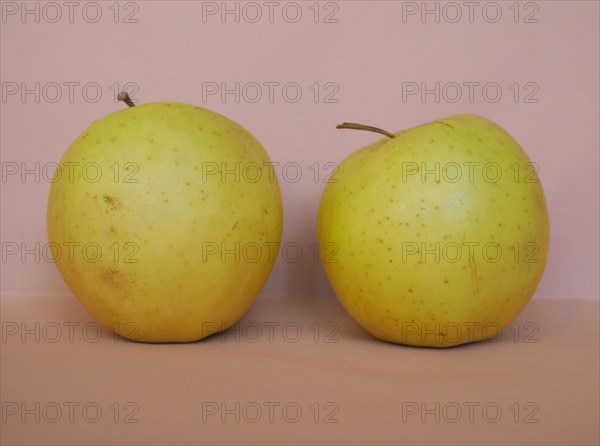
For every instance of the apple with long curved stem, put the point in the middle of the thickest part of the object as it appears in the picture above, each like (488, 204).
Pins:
(164, 237)
(437, 235)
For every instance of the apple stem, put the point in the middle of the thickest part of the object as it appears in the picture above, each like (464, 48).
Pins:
(351, 125)
(124, 96)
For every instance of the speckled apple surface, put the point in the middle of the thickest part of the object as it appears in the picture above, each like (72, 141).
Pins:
(438, 236)
(179, 236)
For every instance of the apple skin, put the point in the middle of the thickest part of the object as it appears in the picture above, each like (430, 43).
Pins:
(379, 218)
(157, 218)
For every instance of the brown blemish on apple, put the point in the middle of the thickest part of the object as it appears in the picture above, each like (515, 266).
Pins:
(112, 277)
(116, 279)
(113, 203)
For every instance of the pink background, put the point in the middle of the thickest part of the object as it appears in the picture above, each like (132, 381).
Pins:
(369, 53)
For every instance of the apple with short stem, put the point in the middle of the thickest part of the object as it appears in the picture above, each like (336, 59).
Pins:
(164, 238)
(437, 235)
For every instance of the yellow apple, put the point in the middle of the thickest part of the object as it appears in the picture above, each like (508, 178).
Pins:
(165, 220)
(437, 235)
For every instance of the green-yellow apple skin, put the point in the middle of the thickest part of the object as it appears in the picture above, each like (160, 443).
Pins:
(428, 259)
(178, 229)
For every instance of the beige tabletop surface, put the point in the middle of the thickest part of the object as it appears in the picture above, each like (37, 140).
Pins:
(296, 371)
